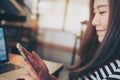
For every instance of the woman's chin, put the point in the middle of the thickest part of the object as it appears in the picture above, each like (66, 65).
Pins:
(100, 39)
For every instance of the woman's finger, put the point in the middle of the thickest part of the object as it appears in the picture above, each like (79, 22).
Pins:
(27, 53)
(39, 65)
(30, 56)
(31, 70)
(36, 57)
(38, 61)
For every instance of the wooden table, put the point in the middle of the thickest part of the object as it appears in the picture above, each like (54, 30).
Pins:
(53, 67)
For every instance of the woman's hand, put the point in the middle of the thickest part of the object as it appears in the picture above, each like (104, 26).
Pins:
(38, 70)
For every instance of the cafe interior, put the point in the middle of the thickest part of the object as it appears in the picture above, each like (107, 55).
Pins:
(51, 28)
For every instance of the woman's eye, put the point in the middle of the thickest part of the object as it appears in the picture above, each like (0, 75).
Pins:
(102, 12)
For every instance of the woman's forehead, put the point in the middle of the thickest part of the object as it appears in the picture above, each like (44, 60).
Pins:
(98, 3)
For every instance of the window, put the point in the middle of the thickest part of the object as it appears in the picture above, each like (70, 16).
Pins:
(77, 12)
(53, 16)
(64, 15)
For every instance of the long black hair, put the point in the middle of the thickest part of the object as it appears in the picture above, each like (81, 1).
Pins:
(93, 53)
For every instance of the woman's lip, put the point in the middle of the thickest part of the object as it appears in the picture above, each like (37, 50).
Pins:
(100, 31)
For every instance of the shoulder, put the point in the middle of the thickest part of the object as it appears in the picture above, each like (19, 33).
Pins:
(109, 71)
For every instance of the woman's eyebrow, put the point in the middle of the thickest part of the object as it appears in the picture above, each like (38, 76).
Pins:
(101, 6)
(104, 5)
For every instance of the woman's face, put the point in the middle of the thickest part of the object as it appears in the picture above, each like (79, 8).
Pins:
(100, 20)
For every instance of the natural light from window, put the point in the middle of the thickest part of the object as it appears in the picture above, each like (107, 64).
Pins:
(64, 15)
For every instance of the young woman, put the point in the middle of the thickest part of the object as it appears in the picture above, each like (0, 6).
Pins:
(99, 50)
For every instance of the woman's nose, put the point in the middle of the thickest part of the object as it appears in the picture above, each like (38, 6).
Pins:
(96, 20)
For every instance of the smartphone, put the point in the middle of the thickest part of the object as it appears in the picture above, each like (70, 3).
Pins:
(19, 47)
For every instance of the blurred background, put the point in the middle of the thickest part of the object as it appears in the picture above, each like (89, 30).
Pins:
(53, 28)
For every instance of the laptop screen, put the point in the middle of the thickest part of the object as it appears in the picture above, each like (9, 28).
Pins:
(3, 51)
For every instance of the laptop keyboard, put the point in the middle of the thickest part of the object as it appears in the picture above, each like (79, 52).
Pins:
(8, 67)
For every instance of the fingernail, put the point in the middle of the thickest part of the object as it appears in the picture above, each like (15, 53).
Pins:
(20, 79)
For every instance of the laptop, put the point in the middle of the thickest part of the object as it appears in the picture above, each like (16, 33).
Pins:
(8, 71)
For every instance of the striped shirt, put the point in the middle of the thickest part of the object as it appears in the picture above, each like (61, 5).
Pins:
(110, 71)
